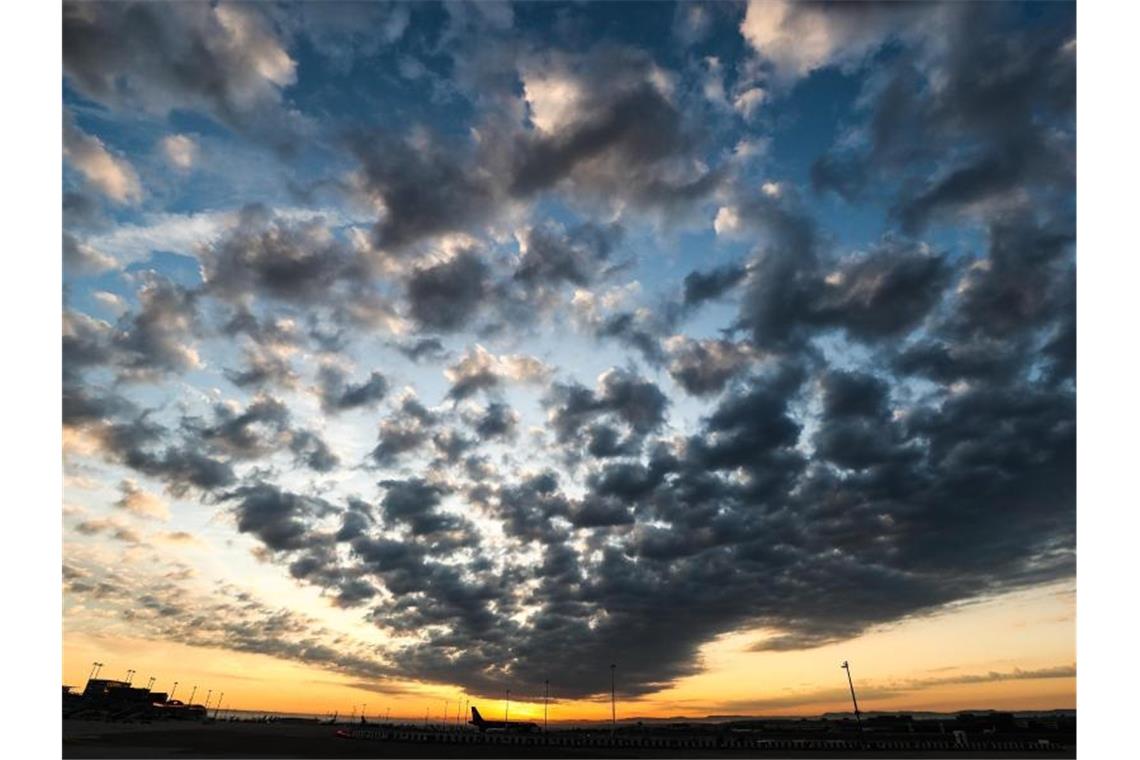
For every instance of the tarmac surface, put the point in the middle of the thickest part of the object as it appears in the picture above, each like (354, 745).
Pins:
(92, 739)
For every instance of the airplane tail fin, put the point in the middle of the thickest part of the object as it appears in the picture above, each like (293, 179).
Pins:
(475, 716)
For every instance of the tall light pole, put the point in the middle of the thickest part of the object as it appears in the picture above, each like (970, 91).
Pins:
(545, 713)
(130, 676)
(854, 703)
(208, 694)
(363, 710)
(219, 707)
(94, 669)
(192, 693)
(173, 689)
(613, 702)
(507, 712)
(150, 683)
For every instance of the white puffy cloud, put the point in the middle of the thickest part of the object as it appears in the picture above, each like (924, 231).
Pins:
(748, 101)
(110, 174)
(553, 98)
(727, 221)
(479, 369)
(799, 38)
(180, 150)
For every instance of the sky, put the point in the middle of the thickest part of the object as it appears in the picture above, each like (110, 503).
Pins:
(417, 352)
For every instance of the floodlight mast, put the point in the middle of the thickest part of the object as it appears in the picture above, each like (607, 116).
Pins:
(613, 703)
(854, 702)
(94, 669)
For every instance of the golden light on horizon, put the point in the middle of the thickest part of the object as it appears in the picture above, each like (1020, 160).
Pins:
(1010, 652)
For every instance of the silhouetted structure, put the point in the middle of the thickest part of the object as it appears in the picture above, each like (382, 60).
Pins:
(110, 699)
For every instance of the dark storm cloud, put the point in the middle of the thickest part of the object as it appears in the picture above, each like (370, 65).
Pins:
(848, 394)
(311, 451)
(86, 343)
(747, 425)
(429, 185)
(554, 257)
(81, 210)
(946, 362)
(637, 402)
(279, 519)
(637, 332)
(884, 292)
(605, 148)
(605, 441)
(704, 286)
(1009, 92)
(447, 296)
(704, 367)
(224, 60)
(415, 503)
(258, 431)
(337, 394)
(264, 254)
(1024, 281)
(426, 188)
(180, 468)
(127, 435)
(159, 337)
(1015, 307)
(421, 349)
(250, 433)
(262, 369)
(405, 430)
(496, 421)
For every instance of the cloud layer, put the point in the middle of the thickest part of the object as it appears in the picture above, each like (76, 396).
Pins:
(548, 371)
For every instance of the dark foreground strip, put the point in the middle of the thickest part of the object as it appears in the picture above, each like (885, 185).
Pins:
(423, 737)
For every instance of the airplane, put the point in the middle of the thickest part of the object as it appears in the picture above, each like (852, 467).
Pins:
(499, 726)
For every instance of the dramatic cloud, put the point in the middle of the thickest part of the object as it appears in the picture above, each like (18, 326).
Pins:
(798, 38)
(223, 59)
(480, 370)
(180, 150)
(337, 394)
(556, 331)
(109, 174)
(446, 296)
